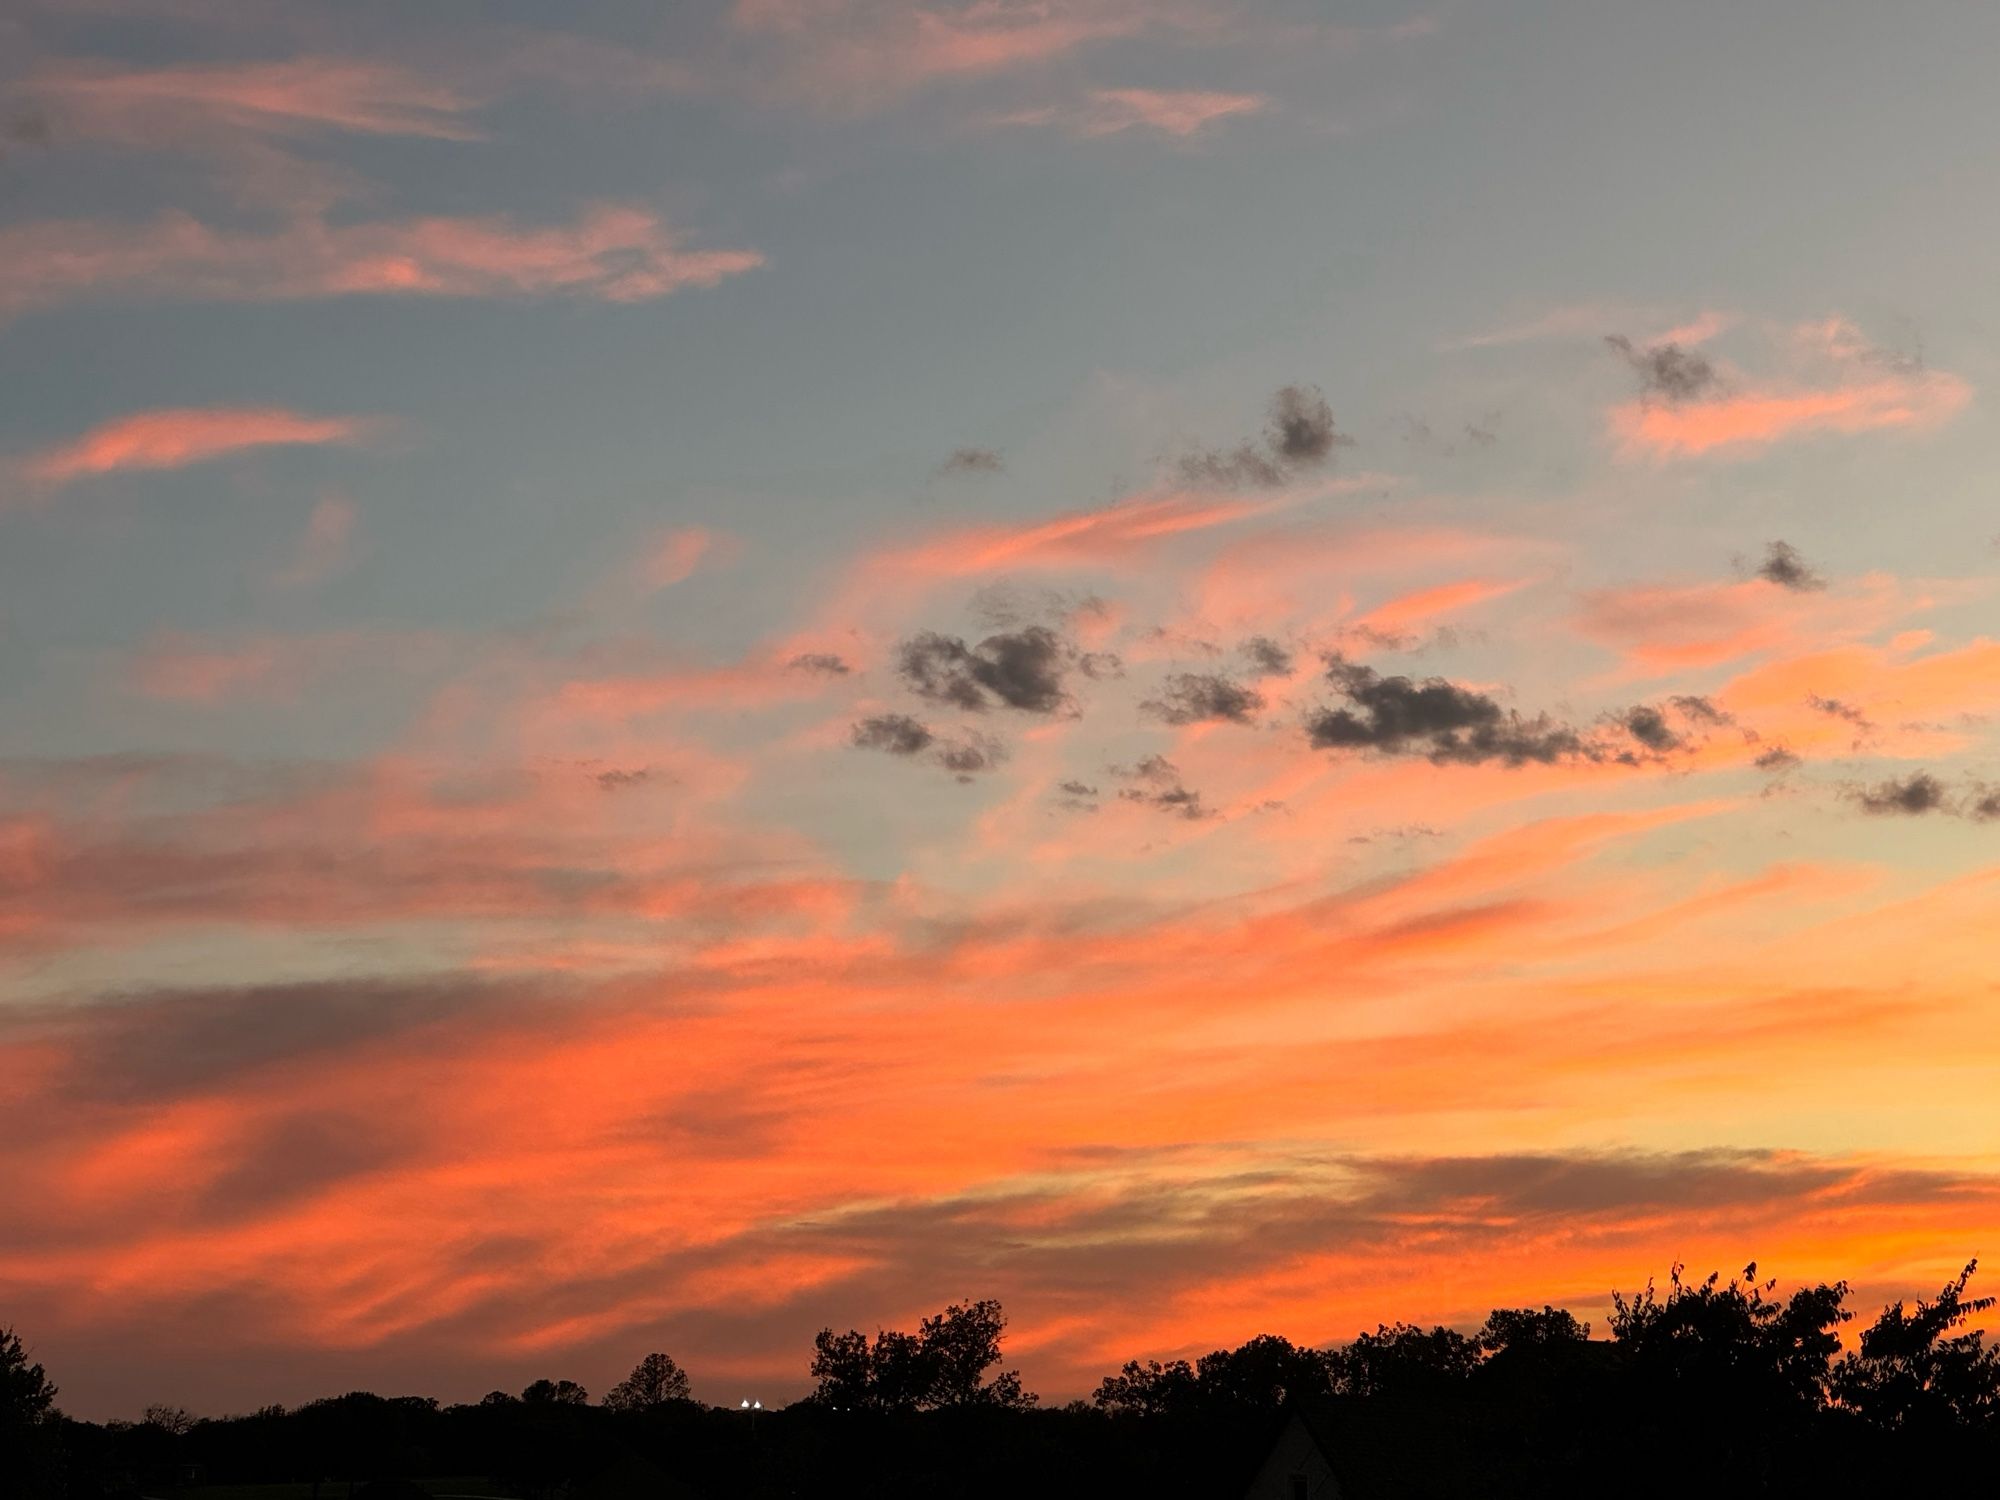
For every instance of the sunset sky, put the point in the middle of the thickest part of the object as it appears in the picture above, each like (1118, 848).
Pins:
(674, 673)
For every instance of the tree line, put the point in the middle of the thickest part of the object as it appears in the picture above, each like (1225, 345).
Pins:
(1724, 1385)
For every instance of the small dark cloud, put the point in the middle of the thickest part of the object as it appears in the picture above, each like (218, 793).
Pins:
(28, 127)
(1008, 606)
(1839, 709)
(618, 780)
(1432, 717)
(1100, 666)
(894, 734)
(1668, 371)
(1985, 805)
(1698, 710)
(973, 461)
(1649, 727)
(1421, 437)
(1910, 796)
(1242, 467)
(1300, 434)
(819, 661)
(1301, 429)
(1784, 566)
(1022, 670)
(970, 755)
(1203, 697)
(964, 755)
(1077, 796)
(1777, 758)
(1267, 658)
(1157, 784)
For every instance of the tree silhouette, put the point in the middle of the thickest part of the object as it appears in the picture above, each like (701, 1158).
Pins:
(27, 1396)
(1524, 1328)
(942, 1365)
(175, 1421)
(1749, 1350)
(1400, 1359)
(1148, 1390)
(654, 1381)
(1909, 1374)
(556, 1393)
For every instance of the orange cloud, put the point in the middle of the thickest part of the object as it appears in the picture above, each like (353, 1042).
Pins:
(675, 556)
(1753, 418)
(176, 437)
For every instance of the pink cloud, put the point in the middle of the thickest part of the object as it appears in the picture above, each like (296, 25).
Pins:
(149, 106)
(174, 437)
(325, 545)
(677, 555)
(853, 52)
(1836, 382)
(1758, 418)
(179, 669)
(613, 253)
(1176, 112)
(1081, 537)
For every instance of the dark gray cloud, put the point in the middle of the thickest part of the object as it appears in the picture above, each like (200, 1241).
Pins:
(1023, 670)
(1840, 709)
(1649, 727)
(164, 1044)
(1698, 710)
(965, 755)
(1777, 758)
(28, 127)
(1241, 467)
(1432, 717)
(1784, 566)
(1267, 658)
(1007, 605)
(1156, 783)
(819, 661)
(1908, 796)
(970, 754)
(893, 734)
(1667, 371)
(616, 780)
(973, 461)
(1300, 434)
(1301, 429)
(1921, 793)
(1203, 697)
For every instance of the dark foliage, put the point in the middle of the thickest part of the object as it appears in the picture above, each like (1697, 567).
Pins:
(1711, 1388)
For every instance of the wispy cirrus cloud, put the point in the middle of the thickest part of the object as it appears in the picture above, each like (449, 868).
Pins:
(198, 102)
(850, 54)
(1175, 112)
(324, 547)
(175, 437)
(1691, 405)
(611, 253)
